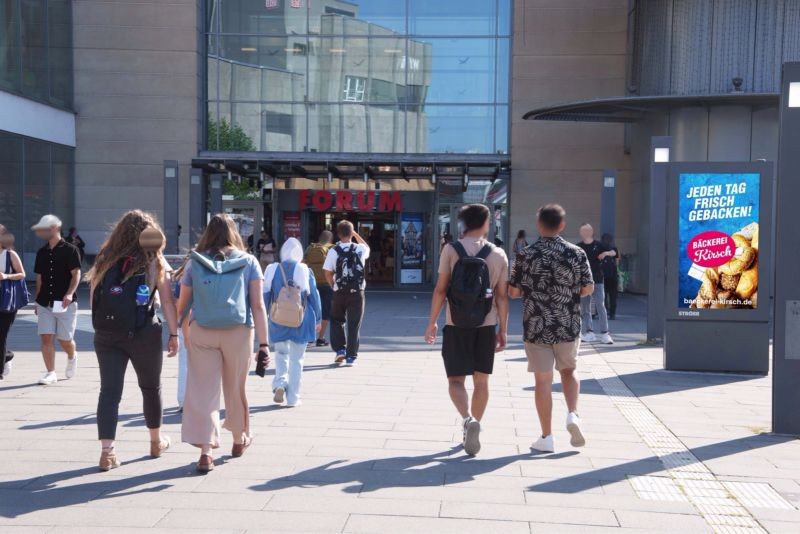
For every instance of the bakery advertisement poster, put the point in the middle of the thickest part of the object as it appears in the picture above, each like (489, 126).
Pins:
(718, 234)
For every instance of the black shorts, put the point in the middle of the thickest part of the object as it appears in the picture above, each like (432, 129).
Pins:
(466, 350)
(325, 298)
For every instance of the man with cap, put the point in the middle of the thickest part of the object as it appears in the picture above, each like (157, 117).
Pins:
(58, 273)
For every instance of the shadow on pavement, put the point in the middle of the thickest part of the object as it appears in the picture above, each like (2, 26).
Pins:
(401, 471)
(43, 494)
(657, 382)
(646, 466)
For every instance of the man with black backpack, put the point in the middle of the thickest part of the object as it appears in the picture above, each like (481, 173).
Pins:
(344, 270)
(473, 281)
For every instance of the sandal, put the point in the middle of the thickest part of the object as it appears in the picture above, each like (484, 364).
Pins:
(238, 448)
(205, 464)
(158, 447)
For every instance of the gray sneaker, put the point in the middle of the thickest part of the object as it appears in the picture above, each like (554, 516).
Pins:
(472, 431)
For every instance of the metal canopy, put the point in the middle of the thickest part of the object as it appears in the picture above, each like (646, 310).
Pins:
(351, 166)
(634, 108)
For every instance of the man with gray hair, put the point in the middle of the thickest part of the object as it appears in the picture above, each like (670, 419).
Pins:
(58, 273)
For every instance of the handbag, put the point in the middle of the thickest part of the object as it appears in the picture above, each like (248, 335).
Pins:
(13, 293)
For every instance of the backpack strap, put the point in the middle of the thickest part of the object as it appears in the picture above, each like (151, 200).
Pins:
(460, 250)
(283, 274)
(484, 252)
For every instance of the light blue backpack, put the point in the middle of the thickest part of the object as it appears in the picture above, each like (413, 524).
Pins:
(219, 291)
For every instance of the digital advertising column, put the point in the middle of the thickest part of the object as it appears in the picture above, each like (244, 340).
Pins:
(718, 262)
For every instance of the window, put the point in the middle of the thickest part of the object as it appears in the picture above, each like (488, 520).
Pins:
(354, 88)
(382, 92)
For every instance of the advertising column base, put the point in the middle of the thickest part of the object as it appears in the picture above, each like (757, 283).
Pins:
(728, 347)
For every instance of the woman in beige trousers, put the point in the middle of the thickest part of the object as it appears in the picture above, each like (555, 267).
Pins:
(220, 354)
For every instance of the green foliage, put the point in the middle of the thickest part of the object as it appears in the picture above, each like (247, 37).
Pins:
(224, 136)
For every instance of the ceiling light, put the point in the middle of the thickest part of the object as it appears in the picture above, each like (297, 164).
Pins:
(249, 49)
(337, 50)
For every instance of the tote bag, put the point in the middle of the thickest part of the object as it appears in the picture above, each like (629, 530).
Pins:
(13, 293)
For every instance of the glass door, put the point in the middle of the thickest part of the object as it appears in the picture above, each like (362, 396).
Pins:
(249, 219)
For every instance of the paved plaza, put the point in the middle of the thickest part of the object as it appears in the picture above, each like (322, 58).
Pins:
(375, 448)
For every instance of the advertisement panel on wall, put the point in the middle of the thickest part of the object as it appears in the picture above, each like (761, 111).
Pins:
(718, 232)
(292, 224)
(412, 249)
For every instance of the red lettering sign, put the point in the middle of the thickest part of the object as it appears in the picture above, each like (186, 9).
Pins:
(322, 200)
(347, 201)
(344, 200)
(390, 201)
(365, 201)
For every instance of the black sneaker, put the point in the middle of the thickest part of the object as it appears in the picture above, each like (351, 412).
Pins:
(322, 343)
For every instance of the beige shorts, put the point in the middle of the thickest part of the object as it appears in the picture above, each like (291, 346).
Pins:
(542, 357)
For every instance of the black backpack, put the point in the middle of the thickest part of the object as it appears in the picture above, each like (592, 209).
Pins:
(114, 307)
(349, 275)
(469, 294)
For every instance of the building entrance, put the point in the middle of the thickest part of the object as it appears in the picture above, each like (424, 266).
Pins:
(379, 230)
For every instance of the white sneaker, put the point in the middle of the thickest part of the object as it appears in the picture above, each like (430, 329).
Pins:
(472, 431)
(574, 429)
(279, 393)
(48, 379)
(605, 339)
(544, 444)
(588, 337)
(72, 367)
(7, 368)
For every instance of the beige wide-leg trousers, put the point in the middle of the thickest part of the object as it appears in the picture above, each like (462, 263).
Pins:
(216, 355)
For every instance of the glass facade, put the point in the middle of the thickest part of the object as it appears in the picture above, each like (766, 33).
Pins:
(378, 76)
(36, 178)
(36, 50)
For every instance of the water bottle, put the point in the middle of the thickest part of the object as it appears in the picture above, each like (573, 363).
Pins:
(142, 295)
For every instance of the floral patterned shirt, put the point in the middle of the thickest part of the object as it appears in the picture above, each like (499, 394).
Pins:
(551, 273)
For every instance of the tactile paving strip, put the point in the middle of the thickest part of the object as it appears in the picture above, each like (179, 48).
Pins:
(722, 504)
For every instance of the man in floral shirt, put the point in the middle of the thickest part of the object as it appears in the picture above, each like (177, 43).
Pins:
(551, 276)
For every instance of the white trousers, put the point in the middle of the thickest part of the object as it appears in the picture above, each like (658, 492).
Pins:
(289, 357)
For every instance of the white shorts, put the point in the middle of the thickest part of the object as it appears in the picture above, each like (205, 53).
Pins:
(61, 325)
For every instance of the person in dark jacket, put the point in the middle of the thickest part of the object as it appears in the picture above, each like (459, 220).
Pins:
(610, 275)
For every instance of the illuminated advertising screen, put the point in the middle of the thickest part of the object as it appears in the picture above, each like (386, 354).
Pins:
(718, 229)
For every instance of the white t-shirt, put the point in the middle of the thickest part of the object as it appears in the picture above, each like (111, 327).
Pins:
(330, 259)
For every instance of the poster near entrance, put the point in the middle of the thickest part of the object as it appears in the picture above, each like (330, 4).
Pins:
(292, 226)
(412, 249)
(718, 232)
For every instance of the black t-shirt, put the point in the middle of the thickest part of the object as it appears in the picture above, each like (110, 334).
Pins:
(593, 250)
(55, 266)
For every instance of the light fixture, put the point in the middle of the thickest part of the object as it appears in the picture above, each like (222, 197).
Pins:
(392, 51)
(330, 177)
(794, 95)
(261, 177)
(366, 177)
(661, 155)
(384, 168)
(433, 178)
(337, 50)
(249, 49)
(609, 181)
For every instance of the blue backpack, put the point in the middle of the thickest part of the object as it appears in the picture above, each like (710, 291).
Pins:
(219, 291)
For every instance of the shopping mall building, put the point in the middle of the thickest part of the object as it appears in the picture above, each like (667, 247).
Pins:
(293, 114)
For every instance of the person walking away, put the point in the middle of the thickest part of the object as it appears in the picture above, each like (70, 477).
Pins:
(58, 273)
(294, 319)
(473, 282)
(610, 266)
(124, 280)
(344, 271)
(521, 242)
(551, 276)
(266, 250)
(221, 286)
(74, 239)
(183, 336)
(315, 257)
(11, 271)
(596, 252)
(376, 254)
